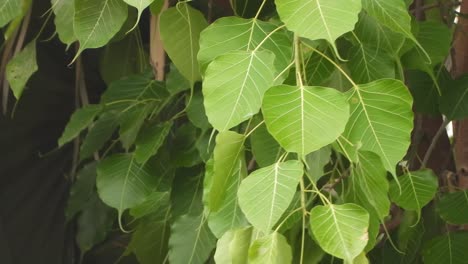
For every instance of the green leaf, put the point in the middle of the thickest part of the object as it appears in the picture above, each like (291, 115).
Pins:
(304, 119)
(424, 92)
(369, 185)
(82, 191)
(9, 9)
(191, 241)
(368, 64)
(266, 193)
(229, 34)
(340, 230)
(140, 5)
(272, 249)
(417, 189)
(175, 82)
(319, 19)
(453, 208)
(93, 224)
(454, 100)
(180, 28)
(264, 147)
(249, 8)
(234, 86)
(122, 58)
(410, 237)
(80, 120)
(150, 140)
(318, 69)
(98, 134)
(316, 161)
(150, 240)
(64, 12)
(228, 167)
(97, 21)
(449, 248)
(233, 247)
(196, 111)
(122, 183)
(381, 121)
(155, 203)
(20, 68)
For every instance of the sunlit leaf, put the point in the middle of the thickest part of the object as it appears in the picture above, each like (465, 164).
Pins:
(267, 192)
(273, 248)
(305, 118)
(191, 240)
(233, 247)
(234, 86)
(20, 68)
(340, 230)
(180, 32)
(140, 5)
(318, 19)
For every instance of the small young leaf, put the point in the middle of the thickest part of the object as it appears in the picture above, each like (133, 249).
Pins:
(20, 68)
(417, 189)
(234, 86)
(266, 193)
(80, 120)
(272, 249)
(453, 207)
(340, 230)
(180, 32)
(304, 119)
(191, 241)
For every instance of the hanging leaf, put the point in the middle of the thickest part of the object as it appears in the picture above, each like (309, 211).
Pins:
(229, 34)
(150, 140)
(316, 161)
(98, 134)
(273, 249)
(449, 248)
(417, 189)
(9, 9)
(97, 21)
(82, 191)
(367, 64)
(304, 119)
(453, 207)
(155, 203)
(266, 193)
(249, 8)
(317, 19)
(80, 120)
(20, 68)
(175, 82)
(64, 12)
(318, 69)
(264, 147)
(180, 32)
(454, 100)
(191, 241)
(228, 167)
(140, 5)
(410, 237)
(233, 246)
(122, 183)
(369, 186)
(340, 230)
(196, 111)
(381, 121)
(234, 86)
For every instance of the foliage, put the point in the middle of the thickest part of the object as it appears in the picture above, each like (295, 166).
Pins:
(280, 134)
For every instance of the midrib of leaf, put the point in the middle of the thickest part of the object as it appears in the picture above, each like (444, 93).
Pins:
(240, 92)
(274, 194)
(95, 25)
(122, 195)
(302, 122)
(410, 177)
(450, 247)
(338, 230)
(192, 57)
(4, 5)
(192, 254)
(323, 19)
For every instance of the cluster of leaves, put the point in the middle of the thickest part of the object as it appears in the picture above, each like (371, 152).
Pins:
(277, 136)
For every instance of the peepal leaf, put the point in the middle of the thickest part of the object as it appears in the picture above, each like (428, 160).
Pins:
(417, 189)
(79, 120)
(454, 100)
(150, 140)
(64, 12)
(381, 121)
(140, 5)
(191, 240)
(340, 230)
(319, 19)
(449, 248)
(20, 68)
(305, 118)
(233, 247)
(453, 207)
(122, 183)
(368, 64)
(9, 9)
(180, 32)
(267, 192)
(97, 135)
(272, 249)
(97, 21)
(233, 33)
(234, 86)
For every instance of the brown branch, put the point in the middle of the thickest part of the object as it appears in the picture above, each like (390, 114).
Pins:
(157, 54)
